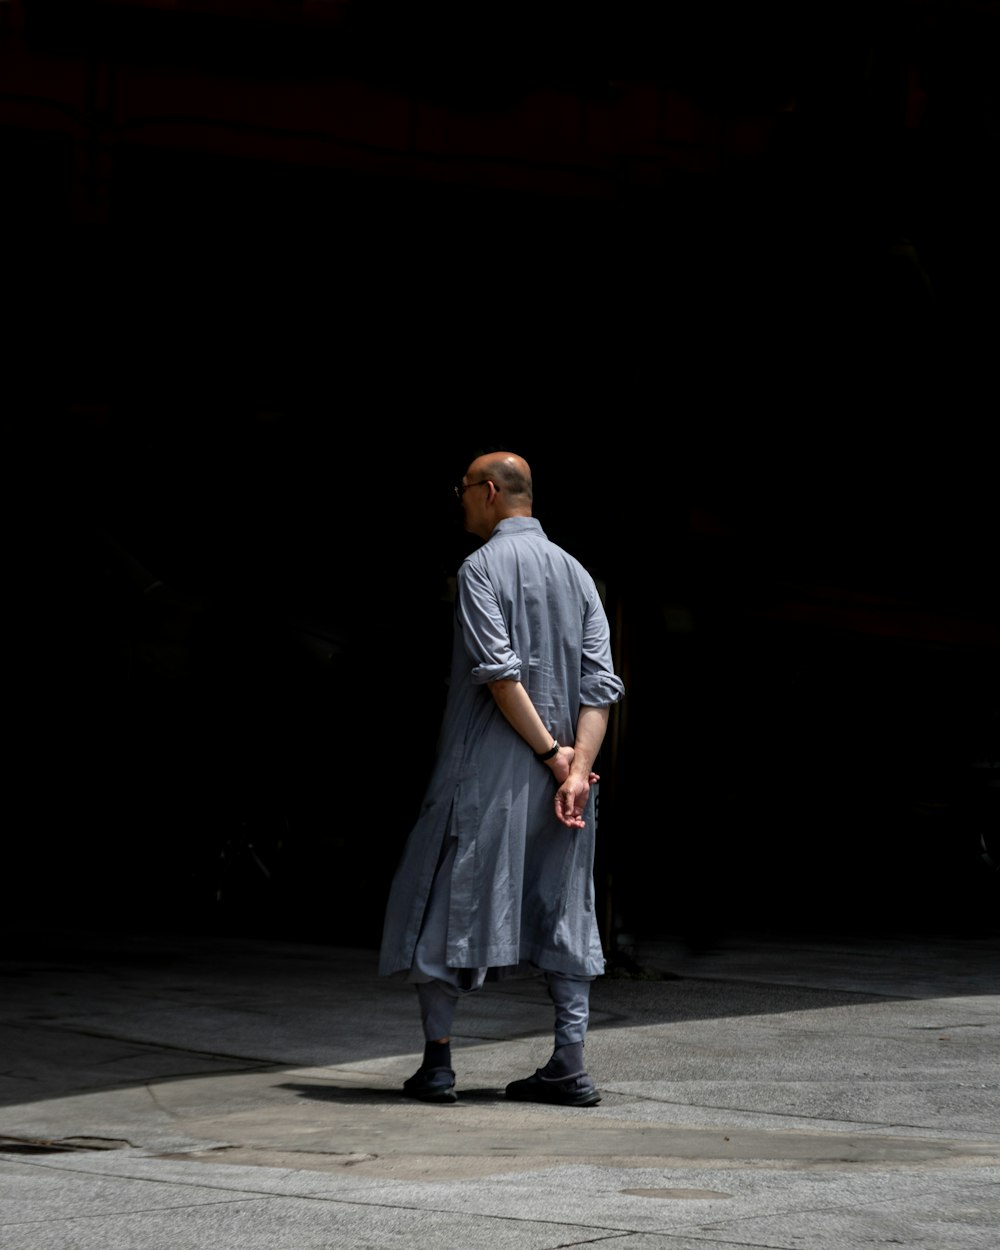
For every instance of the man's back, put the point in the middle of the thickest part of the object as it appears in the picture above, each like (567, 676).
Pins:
(529, 610)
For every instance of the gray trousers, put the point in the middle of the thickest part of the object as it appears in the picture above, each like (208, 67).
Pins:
(570, 998)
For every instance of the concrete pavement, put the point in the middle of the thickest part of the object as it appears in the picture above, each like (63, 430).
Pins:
(167, 1091)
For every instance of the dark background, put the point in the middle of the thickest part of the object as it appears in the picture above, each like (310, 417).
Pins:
(758, 404)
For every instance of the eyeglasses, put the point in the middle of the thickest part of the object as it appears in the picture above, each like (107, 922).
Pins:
(460, 490)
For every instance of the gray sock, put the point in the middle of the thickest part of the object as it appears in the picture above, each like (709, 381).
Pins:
(566, 1062)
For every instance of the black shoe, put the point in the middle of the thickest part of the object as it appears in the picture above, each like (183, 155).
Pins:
(431, 1085)
(574, 1091)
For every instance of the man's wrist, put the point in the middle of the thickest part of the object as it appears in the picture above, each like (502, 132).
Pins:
(544, 756)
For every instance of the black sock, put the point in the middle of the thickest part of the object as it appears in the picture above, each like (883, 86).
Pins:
(437, 1055)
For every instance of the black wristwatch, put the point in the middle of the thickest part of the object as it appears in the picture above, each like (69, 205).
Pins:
(542, 756)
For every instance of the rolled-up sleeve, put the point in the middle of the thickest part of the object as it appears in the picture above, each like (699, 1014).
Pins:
(599, 686)
(484, 631)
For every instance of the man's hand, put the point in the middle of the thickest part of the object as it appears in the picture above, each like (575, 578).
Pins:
(559, 764)
(571, 800)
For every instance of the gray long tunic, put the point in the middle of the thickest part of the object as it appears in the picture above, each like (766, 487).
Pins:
(520, 887)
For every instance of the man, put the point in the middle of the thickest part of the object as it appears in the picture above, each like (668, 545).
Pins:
(497, 874)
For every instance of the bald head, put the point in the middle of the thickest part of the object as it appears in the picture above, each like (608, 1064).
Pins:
(506, 481)
(510, 473)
